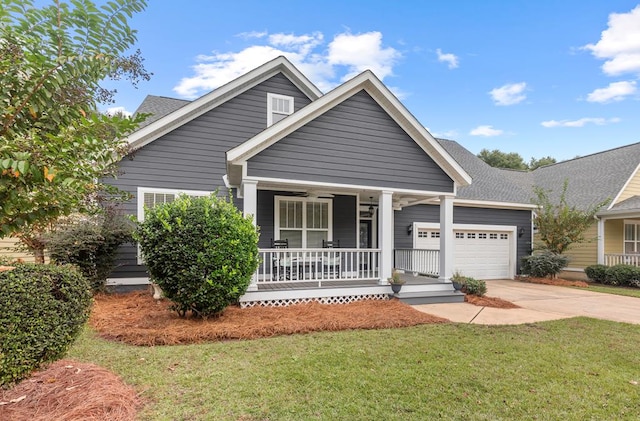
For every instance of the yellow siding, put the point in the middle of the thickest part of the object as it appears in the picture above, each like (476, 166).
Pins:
(585, 254)
(613, 236)
(7, 246)
(632, 189)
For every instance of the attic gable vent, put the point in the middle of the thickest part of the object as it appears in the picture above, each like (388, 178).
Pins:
(278, 107)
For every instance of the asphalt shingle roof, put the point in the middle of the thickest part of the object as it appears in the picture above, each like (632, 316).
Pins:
(158, 107)
(592, 178)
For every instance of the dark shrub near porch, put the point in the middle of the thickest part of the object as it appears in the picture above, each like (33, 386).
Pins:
(201, 251)
(42, 311)
(544, 264)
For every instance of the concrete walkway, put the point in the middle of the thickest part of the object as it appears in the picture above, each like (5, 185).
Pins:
(539, 303)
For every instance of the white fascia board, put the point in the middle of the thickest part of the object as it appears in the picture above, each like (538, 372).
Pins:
(372, 85)
(624, 187)
(492, 204)
(220, 95)
(619, 213)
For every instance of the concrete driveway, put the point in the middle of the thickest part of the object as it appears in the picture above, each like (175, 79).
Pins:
(539, 303)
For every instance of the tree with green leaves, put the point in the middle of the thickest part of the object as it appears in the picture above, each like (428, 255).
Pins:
(55, 146)
(560, 225)
(537, 163)
(499, 159)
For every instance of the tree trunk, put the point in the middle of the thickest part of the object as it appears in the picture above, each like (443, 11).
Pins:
(38, 254)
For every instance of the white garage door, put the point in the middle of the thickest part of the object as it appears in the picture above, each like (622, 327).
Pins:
(478, 253)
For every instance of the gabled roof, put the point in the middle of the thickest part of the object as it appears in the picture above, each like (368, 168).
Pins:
(191, 110)
(368, 82)
(592, 178)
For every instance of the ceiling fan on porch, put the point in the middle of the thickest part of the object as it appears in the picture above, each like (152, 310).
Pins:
(316, 194)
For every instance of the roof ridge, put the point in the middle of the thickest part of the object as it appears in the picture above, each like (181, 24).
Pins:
(589, 155)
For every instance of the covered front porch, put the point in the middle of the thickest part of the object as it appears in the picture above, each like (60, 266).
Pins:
(338, 245)
(619, 236)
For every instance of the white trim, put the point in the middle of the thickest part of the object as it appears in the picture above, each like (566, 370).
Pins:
(128, 281)
(325, 186)
(492, 204)
(270, 111)
(624, 187)
(382, 95)
(219, 96)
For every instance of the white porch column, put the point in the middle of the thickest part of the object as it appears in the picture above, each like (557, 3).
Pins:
(385, 235)
(601, 241)
(446, 238)
(250, 196)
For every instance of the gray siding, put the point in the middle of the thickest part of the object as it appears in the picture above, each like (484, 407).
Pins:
(464, 215)
(344, 218)
(356, 142)
(192, 157)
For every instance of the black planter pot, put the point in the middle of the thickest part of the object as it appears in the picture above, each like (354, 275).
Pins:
(396, 288)
(457, 285)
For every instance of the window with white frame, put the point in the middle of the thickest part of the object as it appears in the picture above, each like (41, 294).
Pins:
(304, 222)
(278, 107)
(631, 237)
(150, 197)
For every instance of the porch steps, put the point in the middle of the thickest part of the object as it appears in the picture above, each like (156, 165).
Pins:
(430, 297)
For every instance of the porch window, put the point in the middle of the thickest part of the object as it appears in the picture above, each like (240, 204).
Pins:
(278, 107)
(631, 238)
(304, 222)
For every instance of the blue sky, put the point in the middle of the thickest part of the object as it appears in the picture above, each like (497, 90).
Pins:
(546, 77)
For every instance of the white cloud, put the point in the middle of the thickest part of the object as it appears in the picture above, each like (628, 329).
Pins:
(486, 131)
(347, 55)
(509, 94)
(450, 59)
(619, 44)
(361, 52)
(616, 91)
(580, 122)
(118, 110)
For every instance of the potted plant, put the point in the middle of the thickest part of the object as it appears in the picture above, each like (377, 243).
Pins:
(396, 282)
(458, 281)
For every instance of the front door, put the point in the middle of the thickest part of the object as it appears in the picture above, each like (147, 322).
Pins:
(365, 233)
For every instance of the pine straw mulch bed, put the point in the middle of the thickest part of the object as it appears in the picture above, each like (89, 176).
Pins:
(486, 301)
(137, 319)
(556, 281)
(68, 390)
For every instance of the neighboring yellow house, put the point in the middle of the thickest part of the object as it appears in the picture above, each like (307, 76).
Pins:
(8, 250)
(614, 175)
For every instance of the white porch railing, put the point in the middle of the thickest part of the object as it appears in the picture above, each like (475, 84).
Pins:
(622, 259)
(420, 261)
(316, 265)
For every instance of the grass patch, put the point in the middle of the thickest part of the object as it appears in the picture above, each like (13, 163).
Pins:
(570, 369)
(609, 289)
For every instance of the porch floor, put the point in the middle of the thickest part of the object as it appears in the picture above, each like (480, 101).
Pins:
(408, 278)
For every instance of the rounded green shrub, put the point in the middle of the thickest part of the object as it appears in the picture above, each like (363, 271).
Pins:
(201, 251)
(543, 264)
(596, 273)
(43, 310)
(91, 243)
(474, 286)
(621, 275)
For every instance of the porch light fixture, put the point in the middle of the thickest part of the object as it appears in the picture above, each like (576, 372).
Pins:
(520, 232)
(370, 206)
(409, 229)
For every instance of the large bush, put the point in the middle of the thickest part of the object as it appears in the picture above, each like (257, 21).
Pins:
(91, 243)
(543, 264)
(622, 275)
(596, 273)
(200, 251)
(43, 309)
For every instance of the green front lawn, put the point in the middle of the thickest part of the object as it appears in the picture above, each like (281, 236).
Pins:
(608, 289)
(569, 369)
